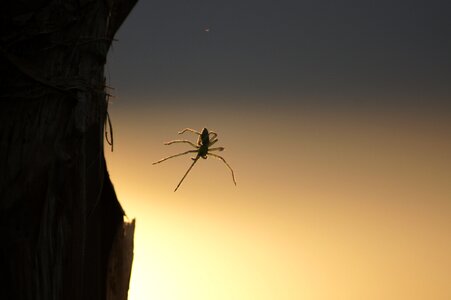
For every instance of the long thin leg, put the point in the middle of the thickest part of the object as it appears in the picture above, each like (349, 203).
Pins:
(212, 133)
(189, 169)
(216, 149)
(190, 130)
(222, 158)
(166, 158)
(213, 141)
(181, 141)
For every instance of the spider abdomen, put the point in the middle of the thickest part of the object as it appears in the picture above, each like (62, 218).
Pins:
(205, 137)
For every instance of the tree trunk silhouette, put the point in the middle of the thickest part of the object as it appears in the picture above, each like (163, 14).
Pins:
(62, 234)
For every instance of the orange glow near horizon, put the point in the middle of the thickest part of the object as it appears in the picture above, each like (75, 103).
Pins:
(327, 205)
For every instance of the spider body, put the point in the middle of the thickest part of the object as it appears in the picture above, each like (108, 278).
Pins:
(204, 141)
(202, 152)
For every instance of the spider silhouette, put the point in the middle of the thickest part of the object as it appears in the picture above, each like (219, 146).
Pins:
(205, 140)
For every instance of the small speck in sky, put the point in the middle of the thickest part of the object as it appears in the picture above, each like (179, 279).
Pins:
(207, 29)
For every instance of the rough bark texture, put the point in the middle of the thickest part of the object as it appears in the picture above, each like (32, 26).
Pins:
(59, 214)
(120, 263)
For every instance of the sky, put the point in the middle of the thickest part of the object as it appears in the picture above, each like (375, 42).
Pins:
(297, 48)
(334, 115)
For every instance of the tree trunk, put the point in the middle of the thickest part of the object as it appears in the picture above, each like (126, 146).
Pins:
(59, 215)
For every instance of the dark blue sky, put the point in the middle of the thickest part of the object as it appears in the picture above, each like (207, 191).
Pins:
(328, 49)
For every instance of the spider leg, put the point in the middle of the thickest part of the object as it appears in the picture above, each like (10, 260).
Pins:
(190, 130)
(212, 141)
(181, 141)
(216, 149)
(212, 133)
(189, 169)
(222, 158)
(166, 158)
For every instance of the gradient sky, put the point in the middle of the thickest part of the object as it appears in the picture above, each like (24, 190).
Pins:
(297, 48)
(336, 117)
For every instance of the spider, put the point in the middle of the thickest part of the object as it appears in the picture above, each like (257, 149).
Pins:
(205, 140)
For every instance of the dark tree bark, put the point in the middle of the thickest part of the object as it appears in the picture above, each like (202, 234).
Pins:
(59, 215)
